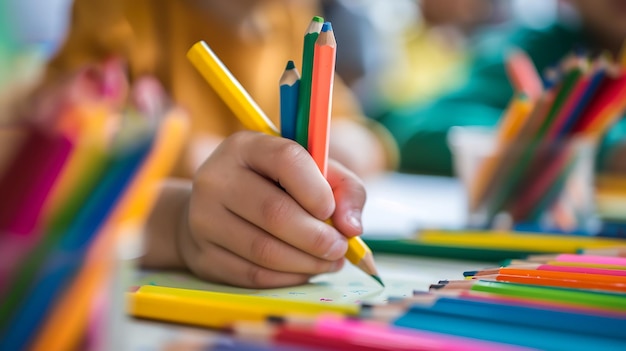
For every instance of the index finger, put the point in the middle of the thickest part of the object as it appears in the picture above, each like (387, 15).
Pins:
(290, 165)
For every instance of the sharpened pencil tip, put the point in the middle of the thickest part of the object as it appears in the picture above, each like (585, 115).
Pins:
(290, 65)
(327, 27)
(377, 278)
(436, 286)
(470, 273)
(318, 19)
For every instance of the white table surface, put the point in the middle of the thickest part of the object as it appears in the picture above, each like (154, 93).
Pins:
(397, 205)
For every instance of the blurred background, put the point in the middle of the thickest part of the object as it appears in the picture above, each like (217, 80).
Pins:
(391, 52)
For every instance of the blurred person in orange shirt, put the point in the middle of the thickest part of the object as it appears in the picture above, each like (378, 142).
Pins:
(254, 214)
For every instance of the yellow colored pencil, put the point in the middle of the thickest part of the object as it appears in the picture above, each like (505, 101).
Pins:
(219, 310)
(514, 241)
(218, 76)
(229, 89)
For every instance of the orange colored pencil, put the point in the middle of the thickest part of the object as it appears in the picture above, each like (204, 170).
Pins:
(532, 280)
(563, 275)
(514, 118)
(491, 174)
(321, 96)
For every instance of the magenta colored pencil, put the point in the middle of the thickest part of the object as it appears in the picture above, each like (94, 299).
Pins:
(34, 198)
(616, 261)
(20, 231)
(379, 334)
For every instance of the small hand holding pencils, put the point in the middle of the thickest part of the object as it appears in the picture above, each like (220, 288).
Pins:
(316, 82)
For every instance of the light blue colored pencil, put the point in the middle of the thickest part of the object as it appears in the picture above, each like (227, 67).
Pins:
(289, 91)
(522, 335)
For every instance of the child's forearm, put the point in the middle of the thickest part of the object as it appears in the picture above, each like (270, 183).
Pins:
(168, 217)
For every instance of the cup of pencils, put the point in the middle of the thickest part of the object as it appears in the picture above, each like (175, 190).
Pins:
(530, 185)
(534, 172)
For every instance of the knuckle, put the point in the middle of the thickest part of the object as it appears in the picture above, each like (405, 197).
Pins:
(255, 276)
(321, 266)
(263, 251)
(292, 154)
(240, 137)
(321, 241)
(275, 209)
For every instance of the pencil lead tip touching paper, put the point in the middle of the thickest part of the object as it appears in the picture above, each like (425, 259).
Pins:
(349, 285)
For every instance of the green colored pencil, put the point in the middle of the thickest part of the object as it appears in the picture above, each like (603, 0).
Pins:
(304, 97)
(576, 296)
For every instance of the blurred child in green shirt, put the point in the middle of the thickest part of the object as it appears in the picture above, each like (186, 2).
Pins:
(421, 131)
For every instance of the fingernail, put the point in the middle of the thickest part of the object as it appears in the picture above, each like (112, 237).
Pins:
(338, 249)
(354, 219)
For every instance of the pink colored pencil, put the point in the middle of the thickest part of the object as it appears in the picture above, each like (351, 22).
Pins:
(383, 335)
(614, 261)
(321, 96)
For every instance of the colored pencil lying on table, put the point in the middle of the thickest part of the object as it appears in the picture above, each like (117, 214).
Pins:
(532, 242)
(550, 267)
(589, 259)
(582, 297)
(474, 324)
(544, 316)
(338, 333)
(219, 310)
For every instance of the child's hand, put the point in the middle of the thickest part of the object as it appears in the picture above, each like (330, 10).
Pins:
(256, 214)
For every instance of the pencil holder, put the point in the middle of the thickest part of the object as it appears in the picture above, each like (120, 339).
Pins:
(527, 185)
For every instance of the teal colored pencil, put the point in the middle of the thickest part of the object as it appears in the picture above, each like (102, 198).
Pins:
(304, 98)
(289, 90)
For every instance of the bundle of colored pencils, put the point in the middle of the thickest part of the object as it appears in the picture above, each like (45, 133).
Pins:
(546, 132)
(70, 187)
(544, 302)
(548, 302)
